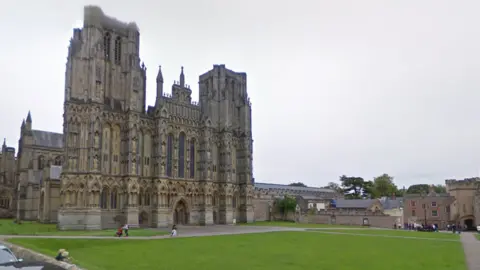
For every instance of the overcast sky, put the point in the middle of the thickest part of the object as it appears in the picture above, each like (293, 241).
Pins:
(338, 87)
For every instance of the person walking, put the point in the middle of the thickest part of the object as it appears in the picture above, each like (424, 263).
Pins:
(125, 230)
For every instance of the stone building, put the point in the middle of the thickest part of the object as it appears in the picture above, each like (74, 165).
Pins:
(40, 153)
(177, 162)
(431, 208)
(7, 180)
(464, 210)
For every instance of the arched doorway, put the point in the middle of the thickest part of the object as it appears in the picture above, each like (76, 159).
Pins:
(180, 214)
(469, 224)
(143, 219)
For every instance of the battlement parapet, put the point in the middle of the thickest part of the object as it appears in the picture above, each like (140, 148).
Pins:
(453, 183)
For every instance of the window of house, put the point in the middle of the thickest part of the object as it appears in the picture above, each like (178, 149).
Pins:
(434, 204)
(447, 208)
(413, 213)
(434, 213)
(413, 203)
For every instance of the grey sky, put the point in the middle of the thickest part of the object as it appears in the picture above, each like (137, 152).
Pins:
(338, 87)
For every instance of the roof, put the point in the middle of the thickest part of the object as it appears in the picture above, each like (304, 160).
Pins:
(344, 203)
(428, 196)
(287, 187)
(47, 139)
(388, 203)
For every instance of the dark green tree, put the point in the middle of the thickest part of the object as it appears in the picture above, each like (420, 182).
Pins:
(297, 184)
(425, 188)
(334, 186)
(286, 204)
(368, 191)
(383, 186)
(352, 186)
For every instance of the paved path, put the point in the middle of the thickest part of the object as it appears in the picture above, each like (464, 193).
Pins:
(471, 247)
(387, 236)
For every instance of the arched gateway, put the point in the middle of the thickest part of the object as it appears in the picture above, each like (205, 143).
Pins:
(180, 213)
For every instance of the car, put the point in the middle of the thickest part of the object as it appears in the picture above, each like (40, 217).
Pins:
(7, 256)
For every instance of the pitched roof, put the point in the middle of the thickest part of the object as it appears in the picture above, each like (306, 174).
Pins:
(47, 139)
(388, 203)
(344, 203)
(287, 187)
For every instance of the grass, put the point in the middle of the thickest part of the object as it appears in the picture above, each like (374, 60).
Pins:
(8, 227)
(276, 251)
(397, 233)
(296, 225)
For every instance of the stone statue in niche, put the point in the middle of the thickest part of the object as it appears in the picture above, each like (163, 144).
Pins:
(95, 162)
(97, 140)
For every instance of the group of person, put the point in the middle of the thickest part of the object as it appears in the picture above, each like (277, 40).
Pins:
(124, 230)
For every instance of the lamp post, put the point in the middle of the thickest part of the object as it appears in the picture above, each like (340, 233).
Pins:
(424, 205)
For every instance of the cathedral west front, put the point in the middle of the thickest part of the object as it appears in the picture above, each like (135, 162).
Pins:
(177, 162)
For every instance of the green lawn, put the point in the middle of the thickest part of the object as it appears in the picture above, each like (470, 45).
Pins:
(296, 225)
(276, 251)
(8, 227)
(396, 233)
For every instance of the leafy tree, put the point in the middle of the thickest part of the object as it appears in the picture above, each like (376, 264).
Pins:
(297, 184)
(368, 191)
(424, 188)
(352, 186)
(334, 186)
(383, 186)
(286, 205)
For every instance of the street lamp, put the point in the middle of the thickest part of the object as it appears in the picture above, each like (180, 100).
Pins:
(424, 205)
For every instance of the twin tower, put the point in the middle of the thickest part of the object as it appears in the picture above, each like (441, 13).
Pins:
(177, 162)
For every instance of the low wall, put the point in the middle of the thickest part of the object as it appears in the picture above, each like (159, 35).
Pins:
(354, 220)
(32, 256)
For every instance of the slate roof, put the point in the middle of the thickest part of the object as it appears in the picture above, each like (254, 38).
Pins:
(344, 203)
(391, 203)
(47, 139)
(287, 187)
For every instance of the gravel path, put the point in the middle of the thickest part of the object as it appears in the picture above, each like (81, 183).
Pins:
(471, 247)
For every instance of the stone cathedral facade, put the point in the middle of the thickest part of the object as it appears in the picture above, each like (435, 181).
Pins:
(177, 162)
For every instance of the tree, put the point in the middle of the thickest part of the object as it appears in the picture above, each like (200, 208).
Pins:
(352, 186)
(368, 191)
(334, 186)
(424, 188)
(383, 186)
(287, 204)
(297, 184)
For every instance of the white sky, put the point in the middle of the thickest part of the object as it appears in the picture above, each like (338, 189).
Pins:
(338, 87)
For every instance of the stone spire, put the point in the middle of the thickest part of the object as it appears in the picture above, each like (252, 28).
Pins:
(29, 117)
(182, 79)
(159, 75)
(159, 86)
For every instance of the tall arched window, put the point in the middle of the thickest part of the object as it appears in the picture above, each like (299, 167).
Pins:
(107, 39)
(181, 155)
(192, 159)
(118, 50)
(41, 162)
(169, 154)
(103, 198)
(58, 161)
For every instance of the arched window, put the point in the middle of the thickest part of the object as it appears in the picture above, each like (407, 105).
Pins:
(234, 201)
(118, 50)
(147, 199)
(57, 161)
(41, 162)
(103, 198)
(113, 199)
(169, 154)
(140, 198)
(107, 39)
(192, 159)
(181, 155)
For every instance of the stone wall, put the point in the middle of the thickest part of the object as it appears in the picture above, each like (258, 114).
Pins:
(32, 256)
(261, 209)
(379, 221)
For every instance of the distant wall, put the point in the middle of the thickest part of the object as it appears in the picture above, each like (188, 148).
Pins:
(378, 221)
(261, 209)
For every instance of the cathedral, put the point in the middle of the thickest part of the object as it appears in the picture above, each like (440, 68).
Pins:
(177, 162)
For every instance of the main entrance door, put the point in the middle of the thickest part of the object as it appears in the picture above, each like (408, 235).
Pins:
(180, 215)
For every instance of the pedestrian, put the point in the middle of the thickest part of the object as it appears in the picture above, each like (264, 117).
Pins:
(174, 231)
(125, 230)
